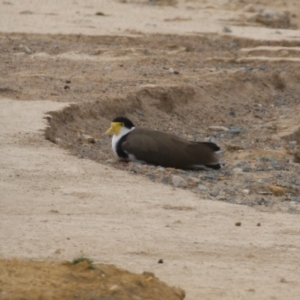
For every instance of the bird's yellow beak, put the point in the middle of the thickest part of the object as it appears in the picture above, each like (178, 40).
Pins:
(114, 128)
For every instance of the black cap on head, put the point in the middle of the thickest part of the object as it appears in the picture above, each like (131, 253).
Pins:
(127, 123)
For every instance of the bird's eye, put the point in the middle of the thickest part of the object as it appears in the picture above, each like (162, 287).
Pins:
(122, 124)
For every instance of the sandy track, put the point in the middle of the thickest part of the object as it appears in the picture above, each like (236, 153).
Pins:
(55, 206)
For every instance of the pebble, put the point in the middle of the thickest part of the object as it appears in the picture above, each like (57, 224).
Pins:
(24, 49)
(274, 164)
(88, 139)
(215, 192)
(247, 169)
(209, 176)
(172, 71)
(202, 187)
(165, 180)
(240, 164)
(260, 169)
(218, 128)
(133, 170)
(295, 199)
(58, 140)
(221, 197)
(276, 190)
(233, 44)
(151, 175)
(237, 171)
(227, 29)
(179, 181)
(109, 161)
(139, 112)
(194, 179)
(161, 169)
(234, 130)
(262, 67)
(293, 144)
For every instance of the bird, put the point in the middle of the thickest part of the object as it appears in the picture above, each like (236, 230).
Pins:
(159, 148)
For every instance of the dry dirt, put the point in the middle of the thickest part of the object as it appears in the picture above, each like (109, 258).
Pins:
(177, 66)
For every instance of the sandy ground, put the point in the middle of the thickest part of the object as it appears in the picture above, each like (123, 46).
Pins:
(56, 207)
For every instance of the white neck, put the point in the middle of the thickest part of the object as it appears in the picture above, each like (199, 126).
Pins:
(116, 138)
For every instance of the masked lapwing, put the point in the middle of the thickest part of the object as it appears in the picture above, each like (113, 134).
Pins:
(159, 148)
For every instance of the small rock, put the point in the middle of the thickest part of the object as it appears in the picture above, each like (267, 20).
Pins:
(247, 169)
(160, 261)
(234, 130)
(233, 44)
(240, 164)
(215, 192)
(172, 71)
(263, 159)
(258, 224)
(295, 199)
(221, 197)
(218, 128)
(161, 169)
(179, 181)
(194, 179)
(58, 140)
(227, 29)
(165, 180)
(260, 169)
(209, 176)
(202, 187)
(88, 139)
(114, 288)
(151, 176)
(246, 191)
(279, 102)
(293, 144)
(262, 67)
(237, 171)
(24, 49)
(99, 13)
(139, 112)
(238, 224)
(276, 190)
(133, 170)
(234, 147)
(110, 161)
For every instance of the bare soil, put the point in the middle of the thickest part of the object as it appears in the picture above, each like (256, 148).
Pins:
(83, 280)
(64, 195)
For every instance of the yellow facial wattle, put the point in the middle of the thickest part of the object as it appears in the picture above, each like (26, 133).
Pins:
(114, 128)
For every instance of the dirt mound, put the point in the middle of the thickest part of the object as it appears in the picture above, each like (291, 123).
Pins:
(83, 280)
(186, 85)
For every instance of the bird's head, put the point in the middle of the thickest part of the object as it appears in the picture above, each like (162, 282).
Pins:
(120, 125)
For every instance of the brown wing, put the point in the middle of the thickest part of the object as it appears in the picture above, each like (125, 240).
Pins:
(159, 148)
